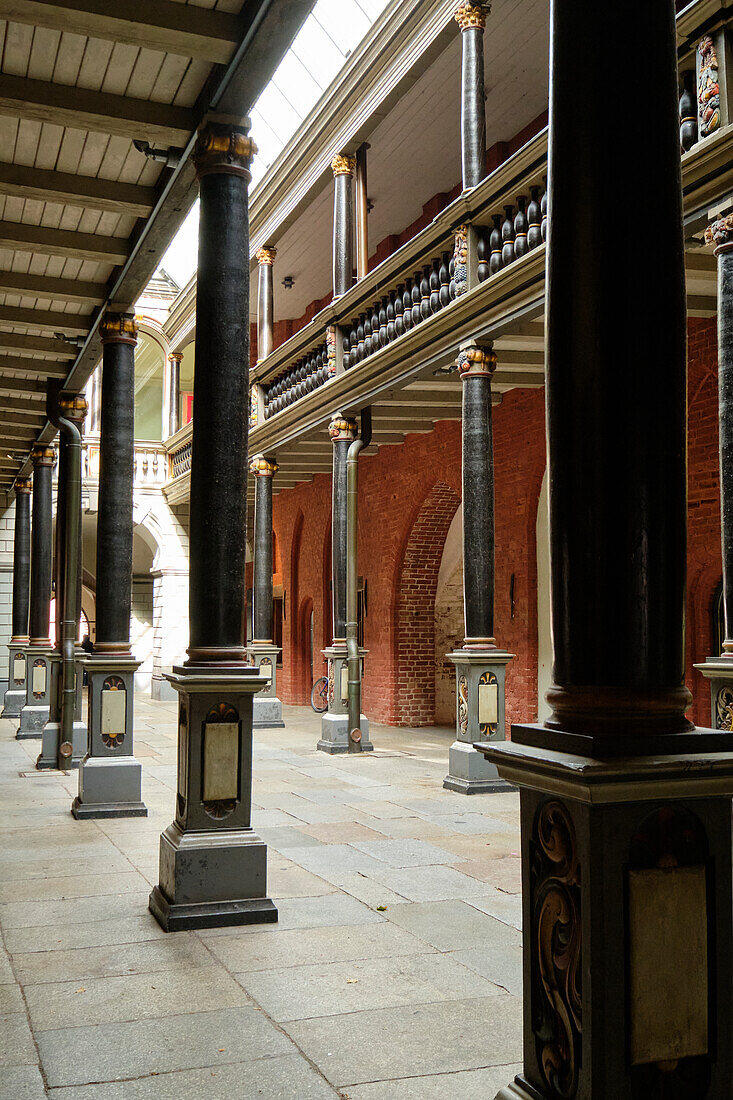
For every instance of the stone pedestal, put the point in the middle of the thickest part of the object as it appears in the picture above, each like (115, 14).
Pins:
(35, 713)
(51, 736)
(335, 722)
(267, 713)
(213, 866)
(627, 910)
(719, 671)
(480, 716)
(15, 696)
(110, 777)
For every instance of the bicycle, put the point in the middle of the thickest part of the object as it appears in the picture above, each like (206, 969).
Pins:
(319, 695)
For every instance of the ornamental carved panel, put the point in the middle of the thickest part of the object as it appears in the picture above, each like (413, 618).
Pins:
(463, 705)
(724, 709)
(556, 949)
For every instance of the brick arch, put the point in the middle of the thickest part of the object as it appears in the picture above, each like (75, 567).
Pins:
(417, 582)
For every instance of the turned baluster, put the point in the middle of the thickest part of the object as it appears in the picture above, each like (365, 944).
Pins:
(407, 305)
(416, 298)
(482, 255)
(375, 328)
(521, 247)
(390, 318)
(544, 208)
(534, 219)
(444, 279)
(495, 261)
(399, 309)
(360, 348)
(688, 111)
(425, 310)
(507, 236)
(383, 323)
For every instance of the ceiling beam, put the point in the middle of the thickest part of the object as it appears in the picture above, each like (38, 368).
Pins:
(73, 324)
(99, 112)
(15, 364)
(43, 286)
(22, 385)
(172, 28)
(60, 242)
(48, 345)
(35, 405)
(24, 182)
(24, 436)
(31, 421)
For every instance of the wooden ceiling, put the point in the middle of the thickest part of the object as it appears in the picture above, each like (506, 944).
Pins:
(85, 217)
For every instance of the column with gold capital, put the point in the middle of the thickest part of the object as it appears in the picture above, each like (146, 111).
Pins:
(110, 778)
(34, 713)
(265, 302)
(172, 397)
(335, 722)
(718, 668)
(213, 866)
(263, 653)
(343, 223)
(17, 658)
(480, 663)
(471, 18)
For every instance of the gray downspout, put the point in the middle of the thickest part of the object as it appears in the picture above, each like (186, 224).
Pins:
(68, 622)
(352, 643)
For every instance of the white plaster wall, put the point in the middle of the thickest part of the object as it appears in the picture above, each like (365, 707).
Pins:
(448, 621)
(141, 630)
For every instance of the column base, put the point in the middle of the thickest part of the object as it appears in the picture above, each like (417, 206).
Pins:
(267, 714)
(719, 671)
(335, 734)
(520, 1090)
(32, 721)
(49, 755)
(110, 778)
(199, 870)
(471, 773)
(13, 703)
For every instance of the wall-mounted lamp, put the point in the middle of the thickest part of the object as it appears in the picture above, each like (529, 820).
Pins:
(288, 282)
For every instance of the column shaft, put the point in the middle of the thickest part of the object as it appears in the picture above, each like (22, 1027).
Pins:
(21, 561)
(725, 401)
(342, 432)
(476, 366)
(471, 18)
(262, 594)
(221, 400)
(343, 224)
(617, 466)
(174, 393)
(265, 303)
(116, 472)
(42, 538)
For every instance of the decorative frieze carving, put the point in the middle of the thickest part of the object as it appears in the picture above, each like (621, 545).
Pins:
(708, 87)
(460, 260)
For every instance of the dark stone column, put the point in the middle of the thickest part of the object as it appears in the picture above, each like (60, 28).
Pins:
(625, 807)
(471, 18)
(343, 432)
(343, 224)
(263, 471)
(43, 460)
(267, 711)
(21, 562)
(719, 667)
(116, 472)
(15, 695)
(174, 392)
(213, 867)
(265, 302)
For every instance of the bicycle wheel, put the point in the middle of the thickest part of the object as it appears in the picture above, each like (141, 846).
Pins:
(319, 695)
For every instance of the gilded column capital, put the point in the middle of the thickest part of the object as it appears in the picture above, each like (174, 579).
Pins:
(223, 147)
(720, 233)
(73, 406)
(266, 255)
(476, 361)
(263, 467)
(24, 485)
(43, 456)
(343, 165)
(342, 429)
(175, 357)
(472, 13)
(120, 328)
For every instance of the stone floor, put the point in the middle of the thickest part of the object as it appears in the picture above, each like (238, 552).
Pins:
(394, 971)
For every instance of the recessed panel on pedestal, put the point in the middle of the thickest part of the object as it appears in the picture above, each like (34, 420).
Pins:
(113, 712)
(19, 668)
(488, 704)
(221, 761)
(344, 683)
(266, 668)
(668, 939)
(38, 682)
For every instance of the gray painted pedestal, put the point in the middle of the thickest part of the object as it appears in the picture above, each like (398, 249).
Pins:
(110, 777)
(35, 712)
(335, 722)
(267, 712)
(719, 671)
(15, 696)
(480, 716)
(51, 735)
(213, 866)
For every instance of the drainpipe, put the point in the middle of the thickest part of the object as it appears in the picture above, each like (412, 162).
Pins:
(352, 643)
(71, 575)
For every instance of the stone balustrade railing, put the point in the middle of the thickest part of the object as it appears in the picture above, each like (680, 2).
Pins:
(151, 463)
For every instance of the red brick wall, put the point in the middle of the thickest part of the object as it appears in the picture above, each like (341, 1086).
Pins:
(408, 496)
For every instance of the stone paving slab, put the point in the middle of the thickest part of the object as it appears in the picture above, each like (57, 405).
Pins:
(451, 925)
(481, 1084)
(135, 929)
(384, 1044)
(71, 886)
(169, 953)
(22, 1083)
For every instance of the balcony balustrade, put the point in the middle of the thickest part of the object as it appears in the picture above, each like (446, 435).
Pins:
(151, 463)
